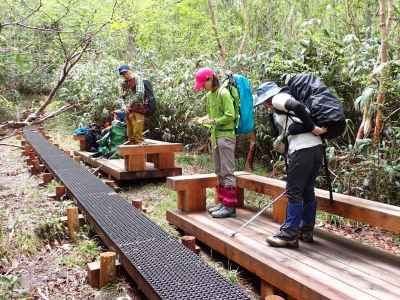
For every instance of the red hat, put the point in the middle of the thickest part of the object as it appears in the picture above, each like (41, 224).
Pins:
(202, 76)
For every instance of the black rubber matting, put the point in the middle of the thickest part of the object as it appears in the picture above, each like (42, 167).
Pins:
(172, 270)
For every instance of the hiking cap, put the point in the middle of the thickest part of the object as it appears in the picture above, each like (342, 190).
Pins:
(123, 68)
(265, 91)
(202, 76)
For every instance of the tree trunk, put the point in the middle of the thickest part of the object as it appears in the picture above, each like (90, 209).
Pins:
(245, 27)
(222, 51)
(384, 27)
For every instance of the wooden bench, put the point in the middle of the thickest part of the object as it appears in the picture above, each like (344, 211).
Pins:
(161, 154)
(331, 268)
(371, 212)
(191, 197)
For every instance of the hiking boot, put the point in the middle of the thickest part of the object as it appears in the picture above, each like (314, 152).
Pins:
(284, 240)
(213, 208)
(307, 236)
(224, 212)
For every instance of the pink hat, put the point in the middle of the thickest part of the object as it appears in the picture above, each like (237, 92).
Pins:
(201, 77)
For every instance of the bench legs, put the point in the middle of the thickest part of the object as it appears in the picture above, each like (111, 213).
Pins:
(162, 160)
(135, 162)
(192, 199)
(279, 208)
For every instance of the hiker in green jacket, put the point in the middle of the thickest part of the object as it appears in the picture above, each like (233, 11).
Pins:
(221, 119)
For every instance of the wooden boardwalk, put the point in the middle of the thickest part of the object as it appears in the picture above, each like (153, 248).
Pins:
(116, 168)
(331, 268)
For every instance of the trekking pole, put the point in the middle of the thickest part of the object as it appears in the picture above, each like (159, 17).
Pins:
(277, 198)
(327, 172)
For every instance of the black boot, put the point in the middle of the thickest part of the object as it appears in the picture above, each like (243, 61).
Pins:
(306, 235)
(283, 239)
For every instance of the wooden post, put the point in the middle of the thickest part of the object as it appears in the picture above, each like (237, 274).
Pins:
(279, 208)
(135, 162)
(240, 197)
(189, 242)
(73, 222)
(165, 161)
(60, 191)
(266, 289)
(137, 203)
(194, 198)
(107, 268)
(47, 178)
(93, 274)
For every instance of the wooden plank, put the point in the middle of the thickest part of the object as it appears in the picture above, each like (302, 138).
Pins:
(165, 161)
(179, 183)
(116, 168)
(149, 149)
(135, 162)
(303, 273)
(371, 212)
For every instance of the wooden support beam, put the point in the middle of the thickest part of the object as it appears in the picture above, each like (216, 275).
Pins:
(275, 297)
(73, 222)
(279, 208)
(165, 161)
(93, 272)
(135, 162)
(192, 190)
(108, 271)
(266, 289)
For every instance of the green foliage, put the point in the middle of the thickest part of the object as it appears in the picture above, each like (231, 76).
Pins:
(8, 285)
(85, 251)
(50, 230)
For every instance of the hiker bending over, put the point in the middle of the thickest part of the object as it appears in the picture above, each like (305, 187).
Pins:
(138, 100)
(299, 139)
(221, 121)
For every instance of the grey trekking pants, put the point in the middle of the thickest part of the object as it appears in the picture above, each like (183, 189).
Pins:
(224, 161)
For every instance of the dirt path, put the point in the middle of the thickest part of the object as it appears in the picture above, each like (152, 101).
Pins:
(32, 264)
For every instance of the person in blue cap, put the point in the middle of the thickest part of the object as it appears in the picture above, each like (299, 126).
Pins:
(135, 102)
(299, 139)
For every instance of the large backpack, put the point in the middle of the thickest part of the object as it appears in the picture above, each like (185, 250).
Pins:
(326, 110)
(148, 88)
(243, 105)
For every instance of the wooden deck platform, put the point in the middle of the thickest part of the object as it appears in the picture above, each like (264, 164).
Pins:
(116, 168)
(331, 268)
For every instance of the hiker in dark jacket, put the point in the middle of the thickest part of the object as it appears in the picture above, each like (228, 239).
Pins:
(300, 139)
(135, 102)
